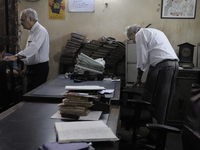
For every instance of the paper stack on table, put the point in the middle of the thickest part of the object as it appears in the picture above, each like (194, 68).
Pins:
(85, 63)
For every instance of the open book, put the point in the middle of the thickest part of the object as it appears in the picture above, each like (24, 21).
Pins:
(84, 131)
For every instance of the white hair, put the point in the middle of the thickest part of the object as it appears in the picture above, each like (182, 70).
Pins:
(29, 12)
(132, 28)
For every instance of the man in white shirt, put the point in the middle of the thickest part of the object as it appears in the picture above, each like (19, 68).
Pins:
(36, 54)
(155, 52)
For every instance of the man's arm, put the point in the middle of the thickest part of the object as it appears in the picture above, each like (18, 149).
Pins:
(139, 77)
(13, 58)
(14, 71)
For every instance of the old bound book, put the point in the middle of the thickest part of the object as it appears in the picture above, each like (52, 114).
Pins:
(96, 42)
(75, 103)
(77, 98)
(78, 35)
(83, 131)
(74, 42)
(78, 111)
(80, 41)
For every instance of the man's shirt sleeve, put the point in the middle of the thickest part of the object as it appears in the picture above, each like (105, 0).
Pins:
(142, 51)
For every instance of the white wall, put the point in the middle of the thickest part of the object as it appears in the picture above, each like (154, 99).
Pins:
(111, 21)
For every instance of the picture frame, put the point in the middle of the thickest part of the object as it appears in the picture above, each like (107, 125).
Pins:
(178, 9)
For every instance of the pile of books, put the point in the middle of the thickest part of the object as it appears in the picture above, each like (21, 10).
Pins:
(116, 54)
(106, 48)
(90, 47)
(76, 104)
(72, 46)
(103, 51)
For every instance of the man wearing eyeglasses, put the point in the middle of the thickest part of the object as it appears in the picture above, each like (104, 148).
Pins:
(36, 53)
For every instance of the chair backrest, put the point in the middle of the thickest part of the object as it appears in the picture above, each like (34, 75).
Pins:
(3, 81)
(7, 83)
(192, 116)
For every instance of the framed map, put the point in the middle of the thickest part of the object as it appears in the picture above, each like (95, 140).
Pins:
(182, 9)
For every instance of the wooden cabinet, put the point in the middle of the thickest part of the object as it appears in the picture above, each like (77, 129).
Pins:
(185, 78)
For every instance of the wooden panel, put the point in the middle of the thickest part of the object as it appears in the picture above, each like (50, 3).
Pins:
(12, 17)
(2, 18)
(9, 25)
(12, 23)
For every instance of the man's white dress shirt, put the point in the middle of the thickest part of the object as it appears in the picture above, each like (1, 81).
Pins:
(152, 47)
(37, 46)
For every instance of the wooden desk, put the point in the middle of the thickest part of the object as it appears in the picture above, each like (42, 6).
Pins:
(28, 125)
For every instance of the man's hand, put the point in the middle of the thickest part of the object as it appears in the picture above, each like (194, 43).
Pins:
(10, 58)
(138, 81)
(142, 84)
(23, 72)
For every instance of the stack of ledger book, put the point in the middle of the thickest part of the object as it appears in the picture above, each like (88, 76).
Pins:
(89, 48)
(72, 46)
(76, 104)
(116, 54)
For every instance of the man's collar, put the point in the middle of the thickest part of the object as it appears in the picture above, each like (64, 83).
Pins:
(34, 26)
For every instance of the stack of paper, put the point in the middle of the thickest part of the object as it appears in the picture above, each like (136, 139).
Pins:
(85, 63)
(84, 131)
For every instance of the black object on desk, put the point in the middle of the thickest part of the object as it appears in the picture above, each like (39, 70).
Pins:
(74, 117)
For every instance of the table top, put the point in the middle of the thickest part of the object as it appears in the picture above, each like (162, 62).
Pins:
(29, 125)
(52, 90)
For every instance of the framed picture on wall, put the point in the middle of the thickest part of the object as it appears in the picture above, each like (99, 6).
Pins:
(182, 9)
